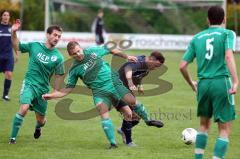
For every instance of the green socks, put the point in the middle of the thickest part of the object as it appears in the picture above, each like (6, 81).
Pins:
(108, 128)
(219, 150)
(141, 111)
(201, 142)
(220, 147)
(17, 122)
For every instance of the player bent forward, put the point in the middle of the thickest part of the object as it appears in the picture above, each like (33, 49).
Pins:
(105, 84)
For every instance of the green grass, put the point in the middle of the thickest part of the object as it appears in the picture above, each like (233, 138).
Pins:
(65, 139)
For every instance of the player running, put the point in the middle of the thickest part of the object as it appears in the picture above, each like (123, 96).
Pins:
(44, 61)
(213, 49)
(131, 74)
(105, 84)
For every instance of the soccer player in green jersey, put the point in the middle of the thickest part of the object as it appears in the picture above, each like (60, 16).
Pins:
(105, 84)
(213, 49)
(44, 61)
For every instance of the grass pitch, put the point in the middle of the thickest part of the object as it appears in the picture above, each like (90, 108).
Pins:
(77, 139)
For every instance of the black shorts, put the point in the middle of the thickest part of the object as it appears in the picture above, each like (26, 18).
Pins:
(6, 64)
(119, 104)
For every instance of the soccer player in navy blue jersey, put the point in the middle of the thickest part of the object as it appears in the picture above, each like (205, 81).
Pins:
(6, 53)
(131, 74)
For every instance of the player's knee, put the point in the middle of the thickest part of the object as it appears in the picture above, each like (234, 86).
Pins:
(23, 110)
(132, 103)
(8, 75)
(128, 116)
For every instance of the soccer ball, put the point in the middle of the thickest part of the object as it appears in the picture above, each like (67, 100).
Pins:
(189, 136)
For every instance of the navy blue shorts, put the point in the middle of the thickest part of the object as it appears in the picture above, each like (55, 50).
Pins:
(6, 64)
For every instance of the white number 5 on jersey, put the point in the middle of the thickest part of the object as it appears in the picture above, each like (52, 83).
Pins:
(209, 49)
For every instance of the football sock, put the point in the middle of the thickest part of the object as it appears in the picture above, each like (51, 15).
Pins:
(201, 142)
(108, 128)
(220, 148)
(17, 122)
(127, 130)
(141, 111)
(7, 85)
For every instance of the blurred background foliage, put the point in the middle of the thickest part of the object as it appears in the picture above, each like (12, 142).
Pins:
(174, 19)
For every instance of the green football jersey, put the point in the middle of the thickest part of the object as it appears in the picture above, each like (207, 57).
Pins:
(92, 70)
(208, 47)
(43, 63)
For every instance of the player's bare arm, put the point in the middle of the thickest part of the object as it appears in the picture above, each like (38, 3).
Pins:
(57, 82)
(122, 55)
(15, 41)
(186, 75)
(128, 74)
(57, 94)
(229, 57)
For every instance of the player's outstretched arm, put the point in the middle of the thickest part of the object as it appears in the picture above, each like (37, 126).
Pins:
(186, 75)
(57, 94)
(128, 74)
(229, 57)
(59, 79)
(122, 55)
(15, 41)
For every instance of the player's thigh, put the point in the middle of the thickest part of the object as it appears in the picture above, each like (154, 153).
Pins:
(126, 112)
(39, 105)
(204, 108)
(26, 94)
(102, 100)
(223, 102)
(2, 65)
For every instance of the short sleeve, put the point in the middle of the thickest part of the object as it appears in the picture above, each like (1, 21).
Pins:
(72, 79)
(99, 50)
(230, 42)
(190, 54)
(60, 69)
(25, 47)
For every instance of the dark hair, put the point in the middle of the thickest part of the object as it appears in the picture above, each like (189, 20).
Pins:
(215, 15)
(54, 27)
(158, 55)
(71, 45)
(2, 12)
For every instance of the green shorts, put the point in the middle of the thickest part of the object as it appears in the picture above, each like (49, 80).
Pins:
(29, 96)
(214, 100)
(110, 94)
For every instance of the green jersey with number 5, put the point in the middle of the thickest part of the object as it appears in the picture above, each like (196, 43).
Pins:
(209, 47)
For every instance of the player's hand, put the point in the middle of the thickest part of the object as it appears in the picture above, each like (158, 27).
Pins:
(140, 89)
(47, 97)
(233, 90)
(16, 26)
(132, 58)
(131, 86)
(194, 86)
